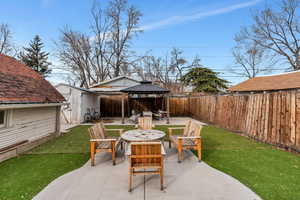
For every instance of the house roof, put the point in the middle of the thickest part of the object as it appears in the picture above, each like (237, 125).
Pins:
(284, 81)
(21, 84)
(112, 80)
(146, 87)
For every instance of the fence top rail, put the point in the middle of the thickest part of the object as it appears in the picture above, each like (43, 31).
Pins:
(232, 94)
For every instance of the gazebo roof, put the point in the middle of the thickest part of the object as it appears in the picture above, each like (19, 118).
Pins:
(146, 87)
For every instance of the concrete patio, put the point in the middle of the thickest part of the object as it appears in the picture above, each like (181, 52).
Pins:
(188, 180)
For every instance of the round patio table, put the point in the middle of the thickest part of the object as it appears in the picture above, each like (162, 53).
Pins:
(142, 135)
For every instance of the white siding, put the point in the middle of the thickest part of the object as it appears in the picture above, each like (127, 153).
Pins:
(75, 102)
(28, 124)
(89, 101)
(73, 97)
(122, 83)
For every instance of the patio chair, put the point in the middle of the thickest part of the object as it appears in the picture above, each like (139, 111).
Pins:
(134, 117)
(99, 141)
(145, 123)
(146, 158)
(190, 139)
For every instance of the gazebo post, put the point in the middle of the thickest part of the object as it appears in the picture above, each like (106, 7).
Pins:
(123, 120)
(168, 109)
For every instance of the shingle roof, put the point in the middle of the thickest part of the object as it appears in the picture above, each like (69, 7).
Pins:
(289, 80)
(146, 87)
(21, 84)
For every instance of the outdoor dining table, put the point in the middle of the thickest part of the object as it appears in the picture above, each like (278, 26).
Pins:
(139, 135)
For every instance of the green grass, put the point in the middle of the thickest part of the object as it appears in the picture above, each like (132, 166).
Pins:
(25, 176)
(271, 173)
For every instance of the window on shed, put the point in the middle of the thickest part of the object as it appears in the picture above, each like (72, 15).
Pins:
(2, 118)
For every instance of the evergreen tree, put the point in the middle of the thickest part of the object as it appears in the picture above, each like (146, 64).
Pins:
(204, 80)
(34, 57)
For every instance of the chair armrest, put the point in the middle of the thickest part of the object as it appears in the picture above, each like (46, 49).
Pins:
(189, 137)
(103, 140)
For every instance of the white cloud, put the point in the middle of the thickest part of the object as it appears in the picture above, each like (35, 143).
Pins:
(199, 15)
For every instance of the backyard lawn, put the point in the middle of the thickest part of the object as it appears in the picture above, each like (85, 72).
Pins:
(273, 174)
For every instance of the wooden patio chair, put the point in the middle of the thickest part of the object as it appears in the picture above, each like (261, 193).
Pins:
(145, 123)
(146, 158)
(99, 141)
(190, 139)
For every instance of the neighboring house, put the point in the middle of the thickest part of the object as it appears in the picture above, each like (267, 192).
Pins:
(285, 81)
(78, 100)
(29, 108)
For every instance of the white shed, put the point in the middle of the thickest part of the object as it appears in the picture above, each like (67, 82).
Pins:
(79, 101)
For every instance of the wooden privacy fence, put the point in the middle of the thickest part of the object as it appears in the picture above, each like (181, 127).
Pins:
(268, 117)
(111, 106)
(271, 117)
(179, 106)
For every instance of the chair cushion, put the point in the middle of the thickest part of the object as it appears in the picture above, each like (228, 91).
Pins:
(185, 141)
(103, 145)
(107, 144)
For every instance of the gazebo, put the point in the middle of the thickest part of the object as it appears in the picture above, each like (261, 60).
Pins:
(147, 96)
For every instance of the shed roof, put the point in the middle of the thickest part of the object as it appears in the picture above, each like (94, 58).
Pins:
(21, 84)
(146, 87)
(290, 80)
(112, 80)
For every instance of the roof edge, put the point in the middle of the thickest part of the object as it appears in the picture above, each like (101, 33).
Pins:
(114, 79)
(27, 105)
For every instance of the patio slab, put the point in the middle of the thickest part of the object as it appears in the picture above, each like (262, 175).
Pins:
(187, 180)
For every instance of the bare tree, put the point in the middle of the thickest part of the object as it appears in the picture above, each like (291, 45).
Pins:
(5, 39)
(156, 69)
(107, 52)
(74, 51)
(250, 60)
(167, 70)
(122, 30)
(179, 65)
(277, 32)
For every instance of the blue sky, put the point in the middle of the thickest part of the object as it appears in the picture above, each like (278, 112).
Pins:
(199, 27)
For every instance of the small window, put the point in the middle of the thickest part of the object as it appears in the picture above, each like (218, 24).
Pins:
(2, 118)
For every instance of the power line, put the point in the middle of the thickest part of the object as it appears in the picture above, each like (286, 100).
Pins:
(171, 47)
